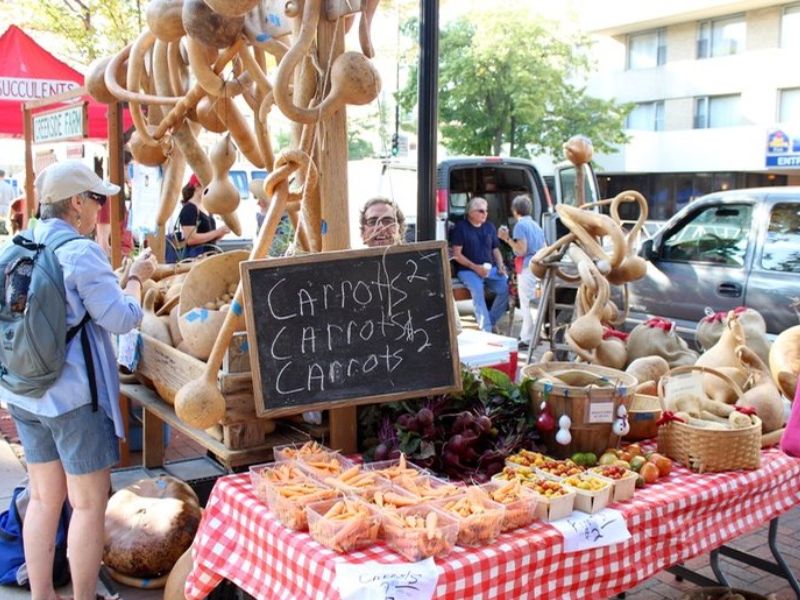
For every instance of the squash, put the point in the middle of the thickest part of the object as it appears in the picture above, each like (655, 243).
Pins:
(784, 360)
(657, 337)
(164, 19)
(149, 525)
(209, 27)
(232, 8)
(723, 357)
(95, 81)
(648, 368)
(710, 328)
(763, 395)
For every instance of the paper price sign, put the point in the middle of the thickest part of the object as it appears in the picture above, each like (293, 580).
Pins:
(375, 581)
(583, 532)
(601, 412)
(689, 384)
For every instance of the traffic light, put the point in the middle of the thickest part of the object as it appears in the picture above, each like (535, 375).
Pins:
(395, 144)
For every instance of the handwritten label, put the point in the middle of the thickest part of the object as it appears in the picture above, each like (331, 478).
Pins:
(583, 532)
(601, 412)
(374, 581)
(128, 349)
(688, 384)
(348, 326)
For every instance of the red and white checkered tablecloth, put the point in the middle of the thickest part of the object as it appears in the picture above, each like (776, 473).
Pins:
(681, 516)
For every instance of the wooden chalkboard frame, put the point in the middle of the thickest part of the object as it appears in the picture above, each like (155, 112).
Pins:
(261, 399)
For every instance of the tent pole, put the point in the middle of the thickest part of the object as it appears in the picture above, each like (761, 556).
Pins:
(116, 175)
(30, 203)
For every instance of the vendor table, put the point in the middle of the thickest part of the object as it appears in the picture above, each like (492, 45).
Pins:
(682, 516)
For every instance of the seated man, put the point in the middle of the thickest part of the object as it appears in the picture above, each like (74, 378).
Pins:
(476, 250)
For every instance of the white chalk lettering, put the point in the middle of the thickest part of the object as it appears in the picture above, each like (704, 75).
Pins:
(308, 336)
(369, 327)
(305, 299)
(367, 299)
(272, 346)
(331, 326)
(269, 303)
(278, 382)
(370, 364)
(315, 373)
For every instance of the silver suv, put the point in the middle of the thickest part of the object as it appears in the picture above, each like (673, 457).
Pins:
(727, 249)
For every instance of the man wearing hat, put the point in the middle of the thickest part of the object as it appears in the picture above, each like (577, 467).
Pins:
(70, 446)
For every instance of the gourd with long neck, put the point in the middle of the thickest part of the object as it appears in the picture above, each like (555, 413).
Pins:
(221, 196)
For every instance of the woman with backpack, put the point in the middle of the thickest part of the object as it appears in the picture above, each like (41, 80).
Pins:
(70, 430)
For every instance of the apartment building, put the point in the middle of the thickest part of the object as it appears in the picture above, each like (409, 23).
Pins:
(716, 89)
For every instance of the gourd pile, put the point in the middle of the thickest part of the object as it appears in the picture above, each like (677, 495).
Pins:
(598, 267)
(186, 68)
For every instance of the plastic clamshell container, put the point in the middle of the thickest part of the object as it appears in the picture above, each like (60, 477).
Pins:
(353, 480)
(590, 501)
(265, 475)
(405, 499)
(331, 465)
(477, 529)
(559, 469)
(290, 509)
(525, 458)
(624, 487)
(390, 469)
(343, 534)
(417, 543)
(520, 511)
(297, 451)
(428, 488)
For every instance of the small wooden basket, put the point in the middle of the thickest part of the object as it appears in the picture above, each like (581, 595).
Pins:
(708, 450)
(570, 392)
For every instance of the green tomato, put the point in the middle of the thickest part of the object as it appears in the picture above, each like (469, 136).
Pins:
(590, 458)
(579, 458)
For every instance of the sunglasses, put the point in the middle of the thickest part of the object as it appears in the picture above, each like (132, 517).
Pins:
(99, 198)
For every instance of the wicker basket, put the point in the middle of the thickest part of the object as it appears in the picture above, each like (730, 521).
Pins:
(709, 450)
(573, 397)
(643, 414)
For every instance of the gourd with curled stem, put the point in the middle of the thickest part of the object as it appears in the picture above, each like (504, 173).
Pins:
(199, 402)
(232, 8)
(722, 356)
(633, 267)
(221, 196)
(164, 19)
(587, 227)
(587, 330)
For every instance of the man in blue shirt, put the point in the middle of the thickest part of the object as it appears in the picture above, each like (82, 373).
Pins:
(480, 265)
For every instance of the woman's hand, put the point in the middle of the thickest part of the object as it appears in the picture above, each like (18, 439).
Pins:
(222, 231)
(144, 266)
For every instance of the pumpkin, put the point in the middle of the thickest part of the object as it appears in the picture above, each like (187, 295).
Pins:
(784, 360)
(149, 525)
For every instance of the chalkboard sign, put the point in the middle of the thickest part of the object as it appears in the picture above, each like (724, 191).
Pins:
(352, 327)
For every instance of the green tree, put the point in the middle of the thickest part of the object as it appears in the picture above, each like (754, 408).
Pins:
(506, 82)
(88, 28)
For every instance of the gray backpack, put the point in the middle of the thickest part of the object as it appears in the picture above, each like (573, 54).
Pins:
(33, 317)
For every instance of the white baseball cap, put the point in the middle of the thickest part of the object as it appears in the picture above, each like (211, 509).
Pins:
(66, 179)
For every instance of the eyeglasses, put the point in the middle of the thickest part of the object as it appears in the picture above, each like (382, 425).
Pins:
(99, 198)
(480, 210)
(380, 221)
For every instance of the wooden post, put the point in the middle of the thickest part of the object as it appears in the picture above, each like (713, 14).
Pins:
(116, 174)
(331, 157)
(30, 200)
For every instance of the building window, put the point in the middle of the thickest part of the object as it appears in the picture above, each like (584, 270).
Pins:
(647, 116)
(783, 240)
(789, 107)
(790, 27)
(717, 111)
(721, 37)
(647, 50)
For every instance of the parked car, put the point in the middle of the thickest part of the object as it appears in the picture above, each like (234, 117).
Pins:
(727, 249)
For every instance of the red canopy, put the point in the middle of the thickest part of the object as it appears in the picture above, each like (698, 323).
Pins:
(29, 72)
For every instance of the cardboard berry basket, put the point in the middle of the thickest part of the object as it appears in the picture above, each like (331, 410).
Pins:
(624, 484)
(590, 500)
